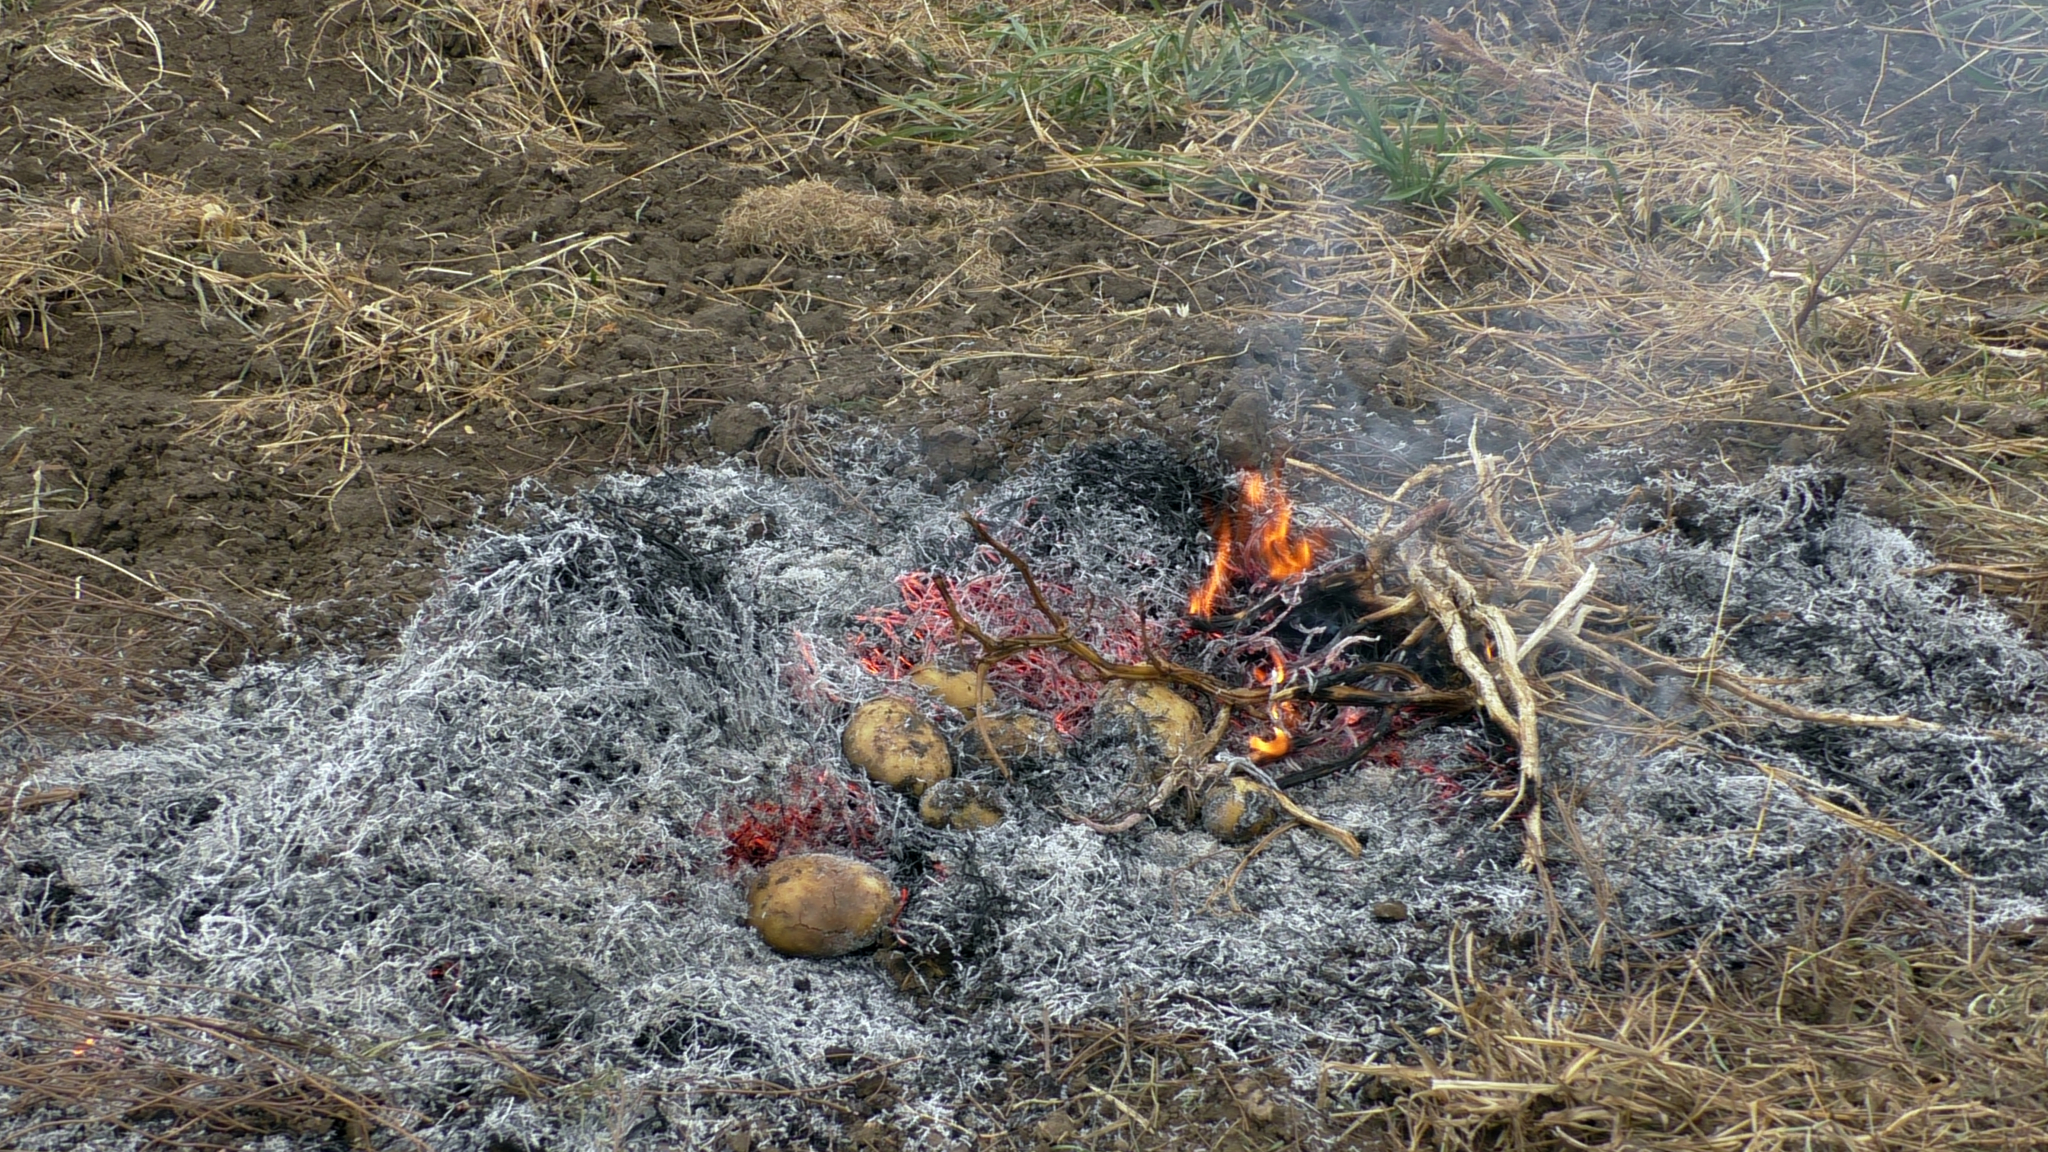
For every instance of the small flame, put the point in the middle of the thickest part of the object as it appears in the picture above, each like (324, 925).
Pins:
(1202, 602)
(1266, 749)
(1280, 554)
(1263, 518)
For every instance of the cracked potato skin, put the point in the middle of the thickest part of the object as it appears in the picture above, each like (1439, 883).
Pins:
(896, 745)
(819, 905)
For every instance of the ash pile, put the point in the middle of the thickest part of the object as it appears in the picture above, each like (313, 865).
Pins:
(1131, 733)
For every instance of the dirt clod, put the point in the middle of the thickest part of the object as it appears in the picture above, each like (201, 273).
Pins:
(741, 427)
(1244, 433)
(955, 453)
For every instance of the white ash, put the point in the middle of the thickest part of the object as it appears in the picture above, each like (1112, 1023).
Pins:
(1823, 597)
(522, 789)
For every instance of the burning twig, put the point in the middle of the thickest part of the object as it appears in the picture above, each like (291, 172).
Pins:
(1183, 777)
(995, 650)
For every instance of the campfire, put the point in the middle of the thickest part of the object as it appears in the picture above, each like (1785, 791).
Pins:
(1291, 663)
(1308, 648)
(735, 791)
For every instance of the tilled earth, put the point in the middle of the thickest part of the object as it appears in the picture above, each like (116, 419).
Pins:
(106, 403)
(118, 471)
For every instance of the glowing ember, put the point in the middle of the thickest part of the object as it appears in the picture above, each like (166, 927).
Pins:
(1263, 518)
(893, 641)
(817, 810)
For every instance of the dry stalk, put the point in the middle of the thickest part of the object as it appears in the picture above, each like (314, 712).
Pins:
(85, 1053)
(1874, 1016)
(1448, 597)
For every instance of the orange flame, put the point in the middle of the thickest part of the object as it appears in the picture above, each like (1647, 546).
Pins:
(1202, 601)
(1266, 749)
(1262, 517)
(1277, 550)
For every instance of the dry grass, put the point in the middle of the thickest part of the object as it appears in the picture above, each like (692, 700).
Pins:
(1597, 261)
(813, 218)
(86, 1052)
(70, 250)
(1126, 1083)
(76, 656)
(326, 343)
(514, 100)
(1875, 1023)
(342, 344)
(67, 653)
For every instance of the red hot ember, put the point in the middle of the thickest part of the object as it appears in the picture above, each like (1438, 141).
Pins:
(894, 642)
(817, 809)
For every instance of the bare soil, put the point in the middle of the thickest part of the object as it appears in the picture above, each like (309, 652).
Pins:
(107, 406)
(118, 472)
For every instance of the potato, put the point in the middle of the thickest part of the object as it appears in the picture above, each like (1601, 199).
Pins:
(819, 905)
(959, 804)
(1016, 736)
(1239, 809)
(1160, 715)
(893, 742)
(955, 688)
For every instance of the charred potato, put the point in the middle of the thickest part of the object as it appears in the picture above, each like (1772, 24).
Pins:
(819, 905)
(893, 742)
(1160, 715)
(960, 804)
(1016, 736)
(955, 688)
(1239, 810)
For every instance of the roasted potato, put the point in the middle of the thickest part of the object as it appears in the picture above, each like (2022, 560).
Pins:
(819, 905)
(896, 745)
(1239, 810)
(1160, 715)
(960, 804)
(955, 688)
(1016, 736)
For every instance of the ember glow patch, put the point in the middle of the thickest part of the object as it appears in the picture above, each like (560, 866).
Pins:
(528, 833)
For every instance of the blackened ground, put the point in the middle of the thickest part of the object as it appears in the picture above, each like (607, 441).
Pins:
(1916, 79)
